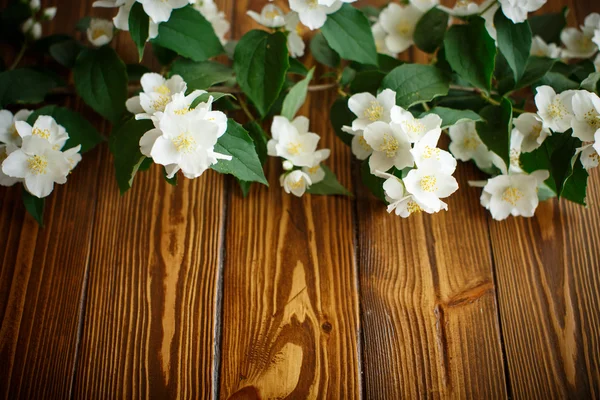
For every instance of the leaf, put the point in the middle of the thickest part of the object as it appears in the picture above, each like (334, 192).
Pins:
(296, 97)
(25, 85)
(139, 25)
(348, 32)
(260, 63)
(539, 159)
(135, 72)
(66, 52)
(415, 83)
(80, 130)
(101, 81)
(536, 68)
(189, 34)
(322, 52)
(171, 181)
(245, 164)
(592, 83)
(163, 55)
(575, 186)
(34, 206)
(558, 82)
(367, 81)
(201, 75)
(329, 185)
(461, 100)
(451, 117)
(514, 42)
(430, 30)
(83, 24)
(296, 67)
(204, 97)
(125, 147)
(495, 130)
(348, 75)
(471, 53)
(563, 148)
(549, 26)
(339, 116)
(259, 137)
(372, 182)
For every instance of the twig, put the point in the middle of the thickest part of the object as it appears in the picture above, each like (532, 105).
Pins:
(19, 57)
(246, 109)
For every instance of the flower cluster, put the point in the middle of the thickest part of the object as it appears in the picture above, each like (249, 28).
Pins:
(273, 17)
(394, 140)
(292, 141)
(184, 136)
(313, 13)
(32, 27)
(33, 154)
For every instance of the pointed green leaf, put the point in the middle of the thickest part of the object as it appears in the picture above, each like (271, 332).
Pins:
(329, 185)
(339, 116)
(416, 83)
(34, 206)
(25, 85)
(495, 130)
(139, 25)
(430, 30)
(296, 97)
(514, 42)
(201, 75)
(451, 117)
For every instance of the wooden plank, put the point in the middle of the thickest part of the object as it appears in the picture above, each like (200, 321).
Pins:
(290, 313)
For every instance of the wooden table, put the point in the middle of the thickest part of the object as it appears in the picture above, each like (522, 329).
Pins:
(195, 292)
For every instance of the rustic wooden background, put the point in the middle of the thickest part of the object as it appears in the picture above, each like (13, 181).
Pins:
(196, 292)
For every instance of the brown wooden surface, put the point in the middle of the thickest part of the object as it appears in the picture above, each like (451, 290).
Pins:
(195, 292)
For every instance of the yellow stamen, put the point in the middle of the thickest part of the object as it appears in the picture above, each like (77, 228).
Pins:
(556, 109)
(404, 28)
(296, 184)
(162, 89)
(374, 112)
(429, 183)
(37, 164)
(512, 195)
(96, 33)
(43, 133)
(182, 111)
(471, 142)
(431, 152)
(184, 143)
(413, 207)
(161, 103)
(314, 170)
(390, 146)
(363, 143)
(294, 148)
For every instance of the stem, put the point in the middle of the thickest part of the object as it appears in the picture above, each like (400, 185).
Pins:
(19, 57)
(246, 109)
(426, 107)
(489, 99)
(487, 8)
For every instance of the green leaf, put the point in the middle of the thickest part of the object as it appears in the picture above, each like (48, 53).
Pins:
(430, 30)
(536, 68)
(83, 24)
(348, 32)
(451, 117)
(296, 67)
(372, 182)
(461, 100)
(201, 75)
(135, 72)
(125, 147)
(416, 83)
(189, 34)
(514, 42)
(329, 185)
(322, 52)
(348, 75)
(204, 97)
(471, 53)
(80, 130)
(575, 186)
(296, 97)
(261, 62)
(34, 206)
(101, 81)
(592, 83)
(367, 81)
(341, 115)
(549, 26)
(563, 148)
(163, 55)
(539, 159)
(259, 137)
(139, 25)
(558, 82)
(495, 130)
(245, 164)
(66, 52)
(25, 85)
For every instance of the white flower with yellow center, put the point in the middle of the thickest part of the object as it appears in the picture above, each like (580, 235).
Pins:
(516, 10)
(589, 156)
(369, 109)
(156, 94)
(317, 173)
(8, 131)
(578, 44)
(532, 129)
(210, 11)
(379, 34)
(292, 141)
(416, 128)
(270, 16)
(514, 194)
(586, 119)
(360, 148)
(6, 180)
(313, 13)
(555, 110)
(100, 31)
(399, 23)
(401, 202)
(38, 164)
(426, 152)
(46, 128)
(295, 182)
(462, 8)
(390, 145)
(121, 20)
(295, 43)
(466, 145)
(539, 48)
(428, 184)
(160, 10)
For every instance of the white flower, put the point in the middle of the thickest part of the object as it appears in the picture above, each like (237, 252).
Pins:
(292, 141)
(540, 48)
(6, 180)
(554, 109)
(73, 156)
(532, 129)
(516, 10)
(121, 20)
(360, 147)
(586, 119)
(38, 164)
(210, 11)
(466, 145)
(157, 93)
(100, 32)
(316, 173)
(295, 182)
(597, 142)
(34, 5)
(426, 153)
(313, 13)
(271, 16)
(295, 42)
(400, 201)
(160, 10)
(424, 5)
(399, 22)
(379, 34)
(391, 147)
(46, 128)
(591, 24)
(369, 108)
(428, 184)
(462, 8)
(8, 131)
(514, 194)
(32, 28)
(589, 156)
(49, 13)
(415, 128)
(578, 44)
